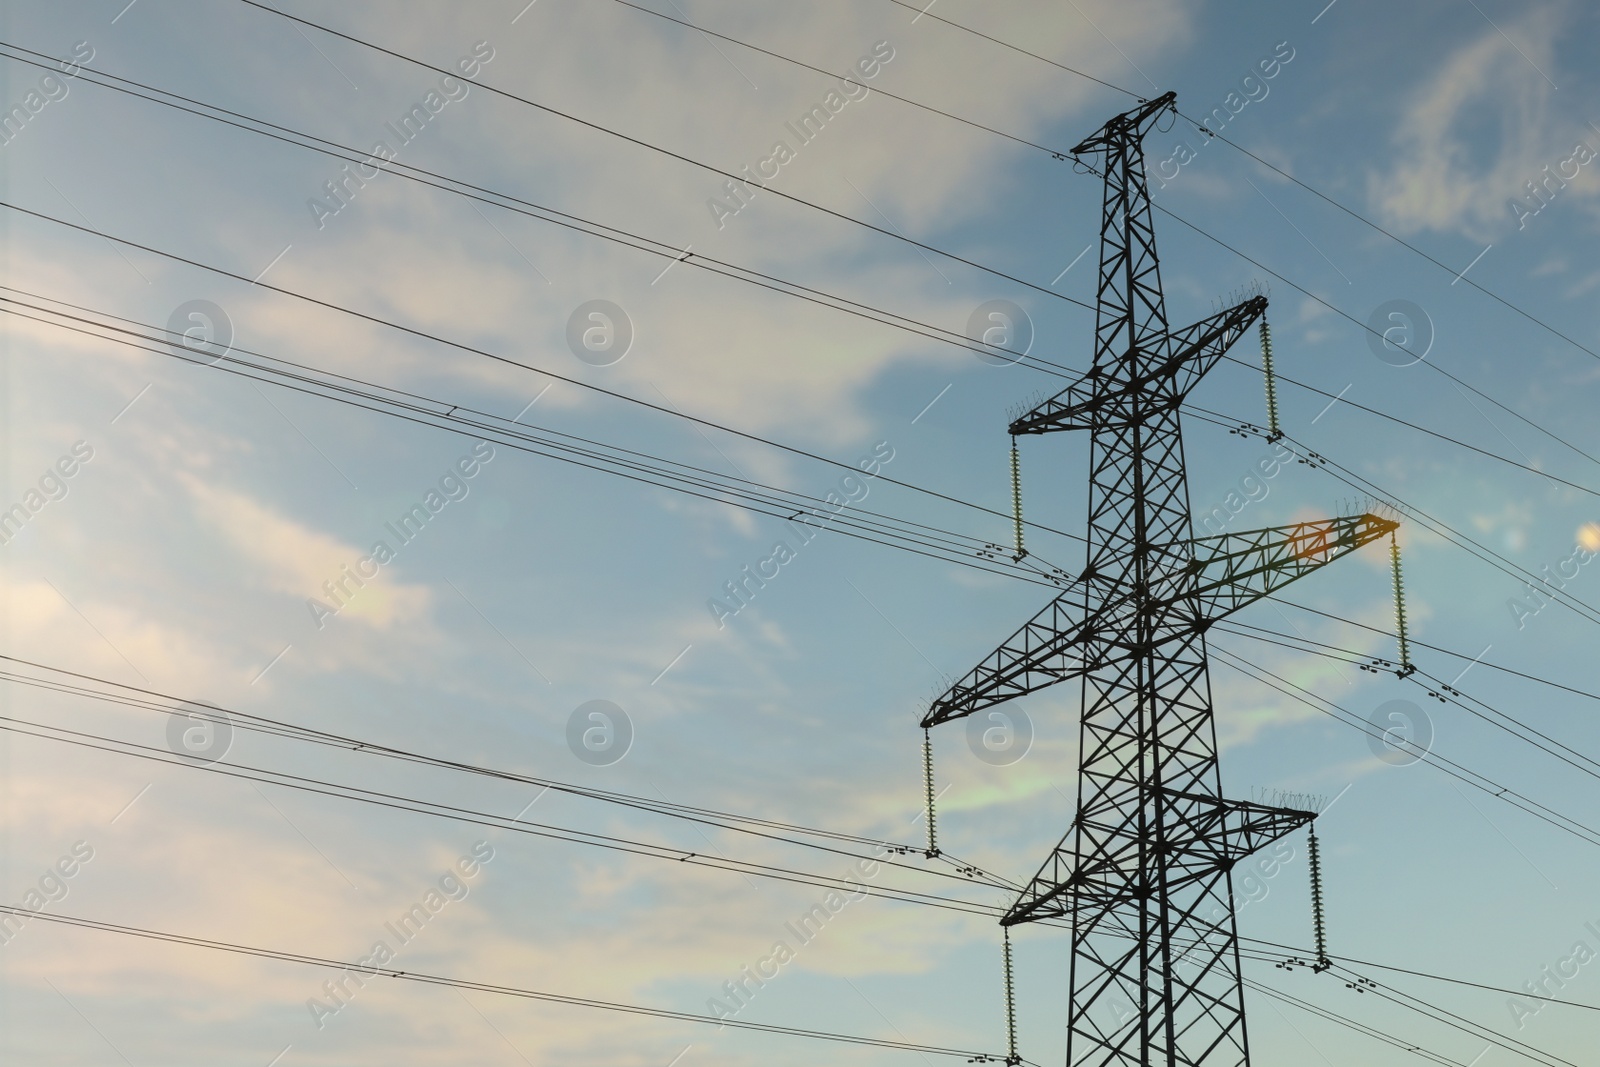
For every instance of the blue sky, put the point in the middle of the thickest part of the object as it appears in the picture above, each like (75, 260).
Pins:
(203, 511)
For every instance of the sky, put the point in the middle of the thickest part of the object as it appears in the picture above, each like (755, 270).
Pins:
(186, 531)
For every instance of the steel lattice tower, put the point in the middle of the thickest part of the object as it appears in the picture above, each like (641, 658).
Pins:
(1144, 872)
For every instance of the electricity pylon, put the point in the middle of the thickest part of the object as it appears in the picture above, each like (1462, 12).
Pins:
(1144, 872)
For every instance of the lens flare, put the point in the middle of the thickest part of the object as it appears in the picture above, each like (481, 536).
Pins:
(1589, 536)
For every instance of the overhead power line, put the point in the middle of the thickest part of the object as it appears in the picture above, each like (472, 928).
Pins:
(924, 12)
(1370, 1031)
(1304, 953)
(1053, 152)
(891, 233)
(1483, 783)
(1479, 660)
(708, 816)
(1563, 442)
(474, 817)
(662, 249)
(1366, 486)
(371, 971)
(1437, 688)
(1455, 274)
(527, 208)
(478, 430)
(61, 680)
(667, 152)
(460, 346)
(1416, 1003)
(1269, 951)
(802, 509)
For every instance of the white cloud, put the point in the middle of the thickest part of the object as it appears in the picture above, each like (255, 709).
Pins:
(1477, 131)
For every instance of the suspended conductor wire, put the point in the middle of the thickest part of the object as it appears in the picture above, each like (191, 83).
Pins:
(530, 209)
(949, 336)
(367, 968)
(1053, 152)
(412, 407)
(1376, 1034)
(1437, 688)
(1456, 770)
(671, 251)
(1257, 954)
(770, 829)
(470, 816)
(922, 12)
(1410, 511)
(767, 281)
(670, 154)
(1563, 442)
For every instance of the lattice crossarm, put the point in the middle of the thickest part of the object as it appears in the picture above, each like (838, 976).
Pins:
(1232, 570)
(1040, 654)
(1128, 126)
(1060, 412)
(1198, 348)
(1195, 350)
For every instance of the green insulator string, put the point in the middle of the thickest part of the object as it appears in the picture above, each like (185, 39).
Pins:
(1273, 430)
(1400, 609)
(1011, 1001)
(1318, 921)
(1016, 497)
(927, 781)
